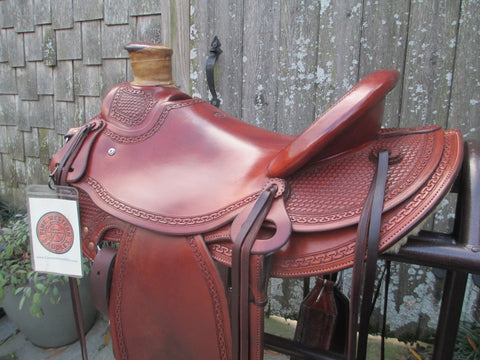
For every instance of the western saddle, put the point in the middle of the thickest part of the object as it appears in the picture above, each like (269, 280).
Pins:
(187, 191)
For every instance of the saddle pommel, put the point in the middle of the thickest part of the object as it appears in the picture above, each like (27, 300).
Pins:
(151, 64)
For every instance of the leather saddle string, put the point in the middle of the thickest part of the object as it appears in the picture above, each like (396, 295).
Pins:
(368, 237)
(67, 160)
(240, 272)
(385, 302)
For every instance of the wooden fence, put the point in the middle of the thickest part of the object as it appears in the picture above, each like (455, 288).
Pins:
(283, 63)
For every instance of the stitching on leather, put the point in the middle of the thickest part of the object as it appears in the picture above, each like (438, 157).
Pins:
(303, 209)
(131, 106)
(392, 227)
(156, 126)
(145, 215)
(214, 295)
(119, 283)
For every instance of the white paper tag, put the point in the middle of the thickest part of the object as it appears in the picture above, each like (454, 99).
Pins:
(55, 230)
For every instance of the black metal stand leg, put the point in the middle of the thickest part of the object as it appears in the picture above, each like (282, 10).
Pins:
(449, 318)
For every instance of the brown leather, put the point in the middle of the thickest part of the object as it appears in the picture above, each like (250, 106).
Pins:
(174, 181)
(311, 253)
(159, 309)
(317, 316)
(101, 278)
(151, 65)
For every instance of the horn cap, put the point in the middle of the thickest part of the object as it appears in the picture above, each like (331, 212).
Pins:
(151, 64)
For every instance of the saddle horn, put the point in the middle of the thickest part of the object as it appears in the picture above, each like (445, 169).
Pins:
(151, 64)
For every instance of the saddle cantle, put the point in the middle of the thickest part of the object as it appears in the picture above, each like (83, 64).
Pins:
(182, 186)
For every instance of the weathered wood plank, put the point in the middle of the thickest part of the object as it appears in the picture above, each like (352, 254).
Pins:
(69, 43)
(76, 111)
(87, 10)
(33, 46)
(49, 46)
(338, 51)
(3, 46)
(14, 143)
(175, 23)
(114, 39)
(44, 79)
(149, 29)
(22, 114)
(49, 142)
(68, 115)
(8, 85)
(145, 7)
(61, 117)
(87, 81)
(260, 62)
(92, 42)
(113, 72)
(10, 177)
(23, 12)
(42, 12)
(201, 35)
(116, 12)
(43, 110)
(35, 171)
(297, 65)
(7, 109)
(30, 140)
(389, 18)
(429, 62)
(63, 81)
(21, 172)
(93, 106)
(465, 101)
(6, 14)
(230, 77)
(62, 14)
(16, 50)
(225, 20)
(27, 82)
(3, 139)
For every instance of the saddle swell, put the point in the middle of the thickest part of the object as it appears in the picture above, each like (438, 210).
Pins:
(174, 181)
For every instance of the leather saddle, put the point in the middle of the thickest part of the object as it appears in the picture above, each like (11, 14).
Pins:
(186, 192)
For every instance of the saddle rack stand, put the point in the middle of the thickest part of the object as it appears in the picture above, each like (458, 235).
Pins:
(458, 253)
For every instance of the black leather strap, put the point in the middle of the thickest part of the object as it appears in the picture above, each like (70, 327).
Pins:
(242, 246)
(368, 239)
(385, 302)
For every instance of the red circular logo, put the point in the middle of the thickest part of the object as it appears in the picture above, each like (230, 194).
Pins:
(55, 232)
